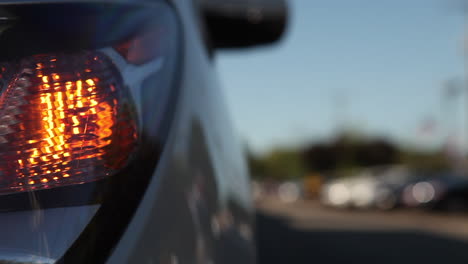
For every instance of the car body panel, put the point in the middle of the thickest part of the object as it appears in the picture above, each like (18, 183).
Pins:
(198, 202)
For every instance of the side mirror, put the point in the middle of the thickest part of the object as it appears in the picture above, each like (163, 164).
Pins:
(244, 23)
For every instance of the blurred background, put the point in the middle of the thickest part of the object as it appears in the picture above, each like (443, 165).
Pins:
(356, 130)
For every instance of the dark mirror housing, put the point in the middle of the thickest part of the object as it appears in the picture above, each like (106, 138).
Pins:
(244, 23)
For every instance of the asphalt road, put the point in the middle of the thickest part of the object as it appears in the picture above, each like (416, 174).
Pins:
(304, 232)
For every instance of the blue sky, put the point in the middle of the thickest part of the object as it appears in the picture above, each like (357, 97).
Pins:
(377, 66)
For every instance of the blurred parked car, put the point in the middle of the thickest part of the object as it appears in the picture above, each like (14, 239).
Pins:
(351, 192)
(372, 188)
(441, 191)
(389, 187)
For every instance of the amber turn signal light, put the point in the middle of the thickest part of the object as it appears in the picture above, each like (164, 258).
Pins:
(64, 119)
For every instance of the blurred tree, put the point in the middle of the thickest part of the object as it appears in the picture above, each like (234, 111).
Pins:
(320, 157)
(256, 165)
(284, 164)
(424, 160)
(343, 155)
(279, 164)
(347, 152)
(377, 152)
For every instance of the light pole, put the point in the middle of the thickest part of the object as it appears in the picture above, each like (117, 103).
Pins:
(452, 89)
